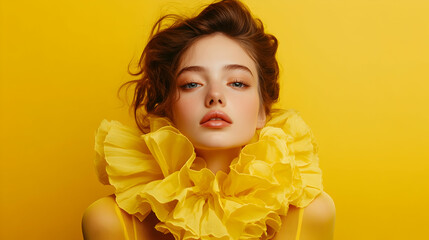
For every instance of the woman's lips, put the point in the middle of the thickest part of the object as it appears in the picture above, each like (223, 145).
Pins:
(216, 119)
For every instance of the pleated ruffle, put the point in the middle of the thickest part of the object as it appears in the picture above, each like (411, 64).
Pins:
(160, 172)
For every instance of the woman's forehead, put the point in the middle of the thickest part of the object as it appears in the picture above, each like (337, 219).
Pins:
(217, 52)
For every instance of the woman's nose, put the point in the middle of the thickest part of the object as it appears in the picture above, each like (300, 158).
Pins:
(215, 97)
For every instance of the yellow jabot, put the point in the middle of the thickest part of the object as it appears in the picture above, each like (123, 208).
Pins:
(159, 171)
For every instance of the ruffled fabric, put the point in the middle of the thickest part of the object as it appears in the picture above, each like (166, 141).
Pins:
(159, 172)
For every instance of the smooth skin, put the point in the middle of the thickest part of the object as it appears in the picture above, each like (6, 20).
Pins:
(216, 73)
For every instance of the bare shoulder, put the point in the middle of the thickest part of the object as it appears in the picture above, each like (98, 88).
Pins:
(321, 210)
(319, 218)
(100, 220)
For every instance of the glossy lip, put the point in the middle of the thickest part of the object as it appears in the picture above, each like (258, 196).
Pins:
(224, 122)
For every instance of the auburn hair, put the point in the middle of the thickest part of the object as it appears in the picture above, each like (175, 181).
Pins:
(155, 86)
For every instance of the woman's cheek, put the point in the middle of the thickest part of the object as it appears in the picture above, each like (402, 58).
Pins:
(183, 110)
(248, 106)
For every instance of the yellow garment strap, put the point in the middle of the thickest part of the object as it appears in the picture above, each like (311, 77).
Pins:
(298, 231)
(134, 227)
(121, 219)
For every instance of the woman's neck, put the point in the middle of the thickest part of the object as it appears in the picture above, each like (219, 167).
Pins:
(218, 159)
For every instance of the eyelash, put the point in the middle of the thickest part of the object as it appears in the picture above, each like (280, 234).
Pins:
(242, 84)
(191, 85)
(187, 86)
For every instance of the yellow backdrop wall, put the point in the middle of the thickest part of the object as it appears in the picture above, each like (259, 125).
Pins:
(356, 70)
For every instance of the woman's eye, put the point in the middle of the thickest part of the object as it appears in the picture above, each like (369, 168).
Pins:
(190, 85)
(238, 84)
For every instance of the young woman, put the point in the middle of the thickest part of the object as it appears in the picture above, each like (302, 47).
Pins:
(211, 158)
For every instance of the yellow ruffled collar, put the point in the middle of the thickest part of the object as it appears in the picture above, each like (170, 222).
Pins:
(159, 172)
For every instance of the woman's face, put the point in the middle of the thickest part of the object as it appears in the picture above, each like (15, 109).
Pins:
(217, 104)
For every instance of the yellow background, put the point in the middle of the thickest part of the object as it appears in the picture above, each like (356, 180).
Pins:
(356, 70)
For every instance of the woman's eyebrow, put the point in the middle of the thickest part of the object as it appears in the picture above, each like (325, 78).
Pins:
(237, 67)
(228, 67)
(191, 69)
